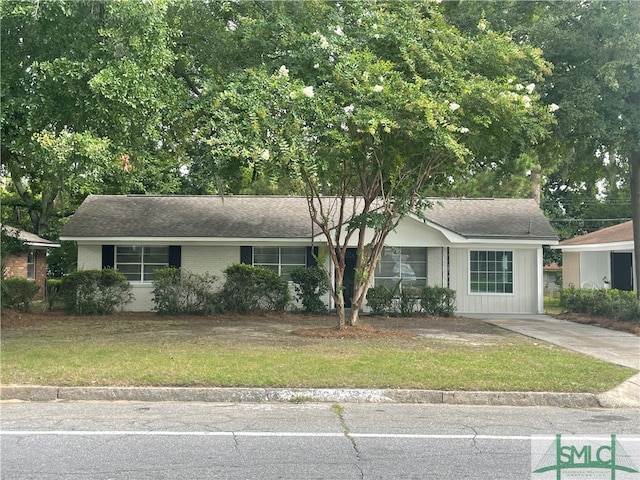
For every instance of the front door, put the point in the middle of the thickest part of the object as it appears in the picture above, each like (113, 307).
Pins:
(622, 271)
(349, 275)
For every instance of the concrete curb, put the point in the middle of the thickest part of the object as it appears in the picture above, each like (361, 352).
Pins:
(299, 395)
(625, 395)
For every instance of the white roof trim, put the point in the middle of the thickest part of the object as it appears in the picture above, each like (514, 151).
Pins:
(596, 247)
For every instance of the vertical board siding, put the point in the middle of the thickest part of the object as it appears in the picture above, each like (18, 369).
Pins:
(524, 298)
(594, 266)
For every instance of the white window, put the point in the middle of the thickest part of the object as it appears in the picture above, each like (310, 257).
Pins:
(281, 260)
(491, 272)
(137, 263)
(403, 266)
(31, 265)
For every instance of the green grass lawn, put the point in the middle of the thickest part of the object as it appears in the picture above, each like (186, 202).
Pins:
(178, 352)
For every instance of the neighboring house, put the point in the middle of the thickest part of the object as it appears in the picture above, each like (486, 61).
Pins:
(600, 259)
(32, 264)
(488, 250)
(552, 279)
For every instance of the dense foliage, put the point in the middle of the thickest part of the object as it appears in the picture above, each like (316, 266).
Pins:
(95, 292)
(249, 288)
(179, 291)
(610, 303)
(310, 284)
(18, 293)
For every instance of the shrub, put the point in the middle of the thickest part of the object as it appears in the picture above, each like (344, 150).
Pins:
(380, 300)
(95, 292)
(612, 303)
(310, 284)
(53, 286)
(247, 288)
(177, 291)
(410, 300)
(440, 301)
(18, 293)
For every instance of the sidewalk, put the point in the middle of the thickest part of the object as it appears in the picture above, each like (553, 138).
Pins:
(609, 345)
(612, 346)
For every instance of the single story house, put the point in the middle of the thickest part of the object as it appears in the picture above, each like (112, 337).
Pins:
(600, 259)
(31, 264)
(488, 250)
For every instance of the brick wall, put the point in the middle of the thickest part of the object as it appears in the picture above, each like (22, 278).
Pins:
(16, 266)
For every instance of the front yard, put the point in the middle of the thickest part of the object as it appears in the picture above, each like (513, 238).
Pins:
(288, 350)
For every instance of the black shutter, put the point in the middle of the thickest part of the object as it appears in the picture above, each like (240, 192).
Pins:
(108, 256)
(246, 255)
(312, 253)
(175, 256)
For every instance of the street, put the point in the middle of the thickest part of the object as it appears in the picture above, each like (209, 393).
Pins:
(130, 440)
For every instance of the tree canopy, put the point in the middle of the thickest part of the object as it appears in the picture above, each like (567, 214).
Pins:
(383, 102)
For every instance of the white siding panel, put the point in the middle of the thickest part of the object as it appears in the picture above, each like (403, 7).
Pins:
(89, 257)
(414, 233)
(593, 267)
(523, 300)
(209, 259)
(435, 265)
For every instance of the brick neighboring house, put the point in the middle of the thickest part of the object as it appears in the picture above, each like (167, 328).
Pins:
(31, 265)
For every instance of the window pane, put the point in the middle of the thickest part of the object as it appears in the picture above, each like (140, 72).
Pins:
(406, 264)
(265, 255)
(131, 272)
(293, 255)
(491, 272)
(157, 255)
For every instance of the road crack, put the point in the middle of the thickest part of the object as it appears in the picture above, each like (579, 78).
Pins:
(339, 411)
(474, 443)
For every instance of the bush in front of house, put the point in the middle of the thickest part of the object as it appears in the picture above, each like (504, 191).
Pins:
(380, 300)
(53, 286)
(18, 293)
(610, 303)
(249, 288)
(439, 301)
(410, 300)
(178, 291)
(310, 284)
(95, 292)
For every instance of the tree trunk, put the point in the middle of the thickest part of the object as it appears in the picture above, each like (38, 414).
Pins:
(634, 164)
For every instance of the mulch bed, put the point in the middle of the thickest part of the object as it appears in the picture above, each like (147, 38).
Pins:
(630, 327)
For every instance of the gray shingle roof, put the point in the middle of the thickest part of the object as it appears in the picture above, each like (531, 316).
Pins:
(280, 217)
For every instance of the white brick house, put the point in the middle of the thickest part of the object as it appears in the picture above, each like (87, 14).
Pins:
(488, 250)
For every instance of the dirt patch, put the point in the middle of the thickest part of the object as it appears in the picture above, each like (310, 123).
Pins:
(357, 331)
(287, 329)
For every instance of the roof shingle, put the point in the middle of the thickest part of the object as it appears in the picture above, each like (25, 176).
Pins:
(281, 217)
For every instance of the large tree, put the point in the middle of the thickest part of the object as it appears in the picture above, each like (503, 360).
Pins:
(593, 47)
(366, 109)
(89, 102)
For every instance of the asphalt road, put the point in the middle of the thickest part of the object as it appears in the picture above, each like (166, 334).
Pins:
(163, 440)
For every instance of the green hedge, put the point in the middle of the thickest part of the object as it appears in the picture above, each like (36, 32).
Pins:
(411, 300)
(95, 292)
(179, 291)
(611, 303)
(18, 293)
(248, 288)
(310, 284)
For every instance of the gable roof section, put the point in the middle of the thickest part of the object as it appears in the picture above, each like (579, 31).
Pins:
(29, 238)
(620, 235)
(507, 218)
(146, 216)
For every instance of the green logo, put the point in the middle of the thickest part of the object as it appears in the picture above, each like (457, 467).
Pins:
(582, 458)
